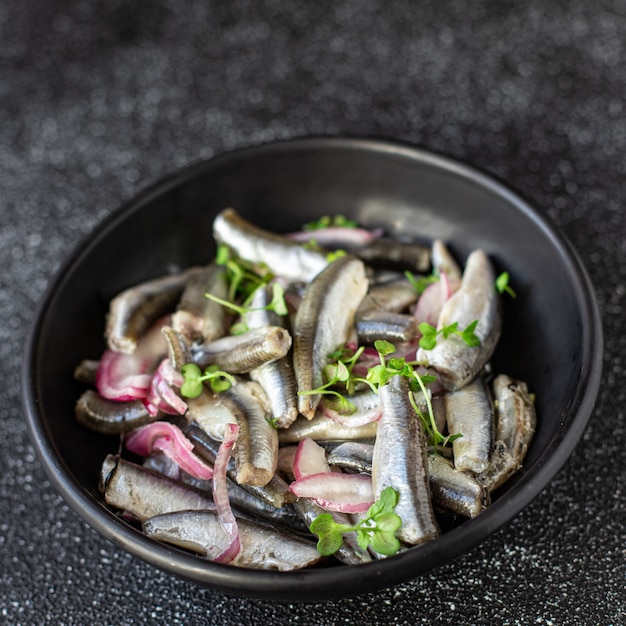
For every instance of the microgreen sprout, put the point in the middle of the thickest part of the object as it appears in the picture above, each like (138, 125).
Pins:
(334, 255)
(377, 528)
(193, 378)
(339, 371)
(429, 334)
(419, 283)
(277, 304)
(243, 277)
(328, 221)
(502, 285)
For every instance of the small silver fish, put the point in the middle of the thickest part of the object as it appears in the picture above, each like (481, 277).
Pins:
(379, 324)
(198, 318)
(322, 428)
(323, 323)
(453, 490)
(456, 362)
(261, 548)
(133, 310)
(276, 377)
(280, 254)
(354, 456)
(111, 417)
(239, 354)
(516, 421)
(400, 461)
(469, 411)
(143, 493)
(256, 450)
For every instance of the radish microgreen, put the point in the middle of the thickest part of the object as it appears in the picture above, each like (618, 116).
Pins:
(502, 285)
(429, 334)
(217, 379)
(377, 528)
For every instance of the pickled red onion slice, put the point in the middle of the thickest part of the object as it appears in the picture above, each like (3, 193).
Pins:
(310, 458)
(220, 494)
(169, 439)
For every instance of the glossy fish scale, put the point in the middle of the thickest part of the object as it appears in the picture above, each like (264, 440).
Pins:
(323, 323)
(400, 461)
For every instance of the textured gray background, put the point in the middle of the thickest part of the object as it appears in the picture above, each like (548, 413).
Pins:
(99, 99)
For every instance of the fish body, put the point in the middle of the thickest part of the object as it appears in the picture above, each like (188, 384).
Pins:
(261, 548)
(476, 299)
(323, 323)
(282, 256)
(400, 461)
(469, 412)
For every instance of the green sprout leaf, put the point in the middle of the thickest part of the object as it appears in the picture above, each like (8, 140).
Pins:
(428, 340)
(502, 285)
(419, 283)
(377, 528)
(328, 221)
(217, 380)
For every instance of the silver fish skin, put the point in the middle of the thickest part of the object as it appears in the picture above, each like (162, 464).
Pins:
(177, 347)
(277, 378)
(516, 421)
(349, 553)
(211, 415)
(469, 411)
(86, 371)
(379, 324)
(256, 450)
(110, 417)
(455, 491)
(261, 548)
(443, 261)
(281, 255)
(395, 295)
(143, 493)
(400, 461)
(455, 362)
(240, 354)
(324, 322)
(198, 318)
(243, 502)
(276, 492)
(516, 418)
(354, 456)
(133, 310)
(394, 254)
(322, 428)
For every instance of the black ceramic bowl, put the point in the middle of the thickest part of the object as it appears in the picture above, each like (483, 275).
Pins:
(552, 335)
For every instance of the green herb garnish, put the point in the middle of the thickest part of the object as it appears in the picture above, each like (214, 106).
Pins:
(419, 283)
(429, 334)
(194, 378)
(377, 528)
(502, 285)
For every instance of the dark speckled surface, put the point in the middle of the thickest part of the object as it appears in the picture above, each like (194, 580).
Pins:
(100, 99)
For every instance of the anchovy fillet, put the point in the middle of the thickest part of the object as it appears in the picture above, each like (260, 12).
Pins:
(400, 461)
(281, 255)
(240, 354)
(455, 491)
(476, 299)
(135, 309)
(261, 548)
(323, 323)
(111, 417)
(322, 428)
(469, 412)
(277, 377)
(197, 317)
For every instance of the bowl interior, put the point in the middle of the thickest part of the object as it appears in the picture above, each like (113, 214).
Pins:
(551, 333)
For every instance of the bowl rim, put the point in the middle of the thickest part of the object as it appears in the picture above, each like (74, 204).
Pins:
(323, 583)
